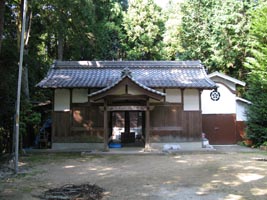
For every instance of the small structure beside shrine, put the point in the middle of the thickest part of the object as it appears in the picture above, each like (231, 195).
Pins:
(102, 104)
(224, 113)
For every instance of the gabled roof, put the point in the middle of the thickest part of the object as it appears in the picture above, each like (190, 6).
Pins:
(152, 74)
(223, 76)
(125, 79)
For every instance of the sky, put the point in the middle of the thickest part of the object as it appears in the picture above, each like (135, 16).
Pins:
(162, 3)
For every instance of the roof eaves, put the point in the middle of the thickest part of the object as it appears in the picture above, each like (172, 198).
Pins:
(243, 100)
(120, 80)
(226, 77)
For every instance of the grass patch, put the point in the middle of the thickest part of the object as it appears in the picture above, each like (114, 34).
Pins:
(262, 153)
(43, 158)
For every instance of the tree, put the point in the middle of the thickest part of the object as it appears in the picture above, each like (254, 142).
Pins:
(257, 64)
(172, 35)
(2, 17)
(143, 25)
(66, 26)
(215, 32)
(108, 29)
(57, 29)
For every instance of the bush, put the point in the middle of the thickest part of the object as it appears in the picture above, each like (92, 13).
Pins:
(257, 113)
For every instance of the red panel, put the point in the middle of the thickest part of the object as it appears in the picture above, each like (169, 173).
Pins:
(220, 128)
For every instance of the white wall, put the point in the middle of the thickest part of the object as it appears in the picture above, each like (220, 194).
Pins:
(191, 99)
(62, 100)
(224, 81)
(225, 105)
(241, 109)
(173, 95)
(79, 95)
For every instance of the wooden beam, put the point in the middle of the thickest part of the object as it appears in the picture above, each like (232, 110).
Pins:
(106, 148)
(199, 98)
(126, 108)
(147, 124)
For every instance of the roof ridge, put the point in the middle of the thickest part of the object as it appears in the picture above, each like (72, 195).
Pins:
(131, 64)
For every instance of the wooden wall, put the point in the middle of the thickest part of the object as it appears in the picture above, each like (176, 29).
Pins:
(220, 128)
(60, 126)
(169, 123)
(84, 123)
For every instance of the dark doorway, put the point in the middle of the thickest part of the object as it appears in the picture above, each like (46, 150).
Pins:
(127, 128)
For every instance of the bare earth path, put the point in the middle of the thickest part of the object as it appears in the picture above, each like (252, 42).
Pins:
(226, 175)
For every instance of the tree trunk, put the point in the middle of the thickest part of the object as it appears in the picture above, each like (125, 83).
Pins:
(60, 46)
(25, 82)
(2, 14)
(25, 74)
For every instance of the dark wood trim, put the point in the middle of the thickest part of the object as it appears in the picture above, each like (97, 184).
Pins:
(182, 98)
(127, 97)
(71, 91)
(166, 128)
(164, 91)
(71, 107)
(126, 108)
(73, 128)
(199, 99)
(106, 148)
(147, 124)
(53, 117)
(126, 89)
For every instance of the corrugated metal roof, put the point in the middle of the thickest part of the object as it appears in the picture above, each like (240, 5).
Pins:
(153, 74)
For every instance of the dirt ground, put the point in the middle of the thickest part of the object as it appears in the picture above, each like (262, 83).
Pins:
(214, 175)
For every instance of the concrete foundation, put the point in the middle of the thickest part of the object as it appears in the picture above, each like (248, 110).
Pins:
(69, 146)
(184, 146)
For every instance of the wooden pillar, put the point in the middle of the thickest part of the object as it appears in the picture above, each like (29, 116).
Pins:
(105, 126)
(147, 144)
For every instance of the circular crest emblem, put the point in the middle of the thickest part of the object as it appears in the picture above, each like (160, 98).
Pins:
(215, 95)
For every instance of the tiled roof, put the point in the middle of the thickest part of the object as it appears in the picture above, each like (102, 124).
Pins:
(229, 78)
(101, 74)
(133, 80)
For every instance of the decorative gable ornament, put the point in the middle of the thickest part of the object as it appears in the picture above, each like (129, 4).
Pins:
(126, 72)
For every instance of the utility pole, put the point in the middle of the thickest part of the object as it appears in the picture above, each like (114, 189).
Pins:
(19, 86)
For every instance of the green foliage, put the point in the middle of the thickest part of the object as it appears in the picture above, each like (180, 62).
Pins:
(257, 113)
(264, 143)
(28, 117)
(143, 25)
(215, 32)
(257, 64)
(68, 20)
(171, 38)
(90, 30)
(107, 31)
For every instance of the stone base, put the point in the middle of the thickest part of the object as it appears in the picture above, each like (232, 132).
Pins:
(187, 146)
(84, 146)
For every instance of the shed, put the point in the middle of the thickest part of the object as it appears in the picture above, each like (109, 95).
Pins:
(223, 112)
